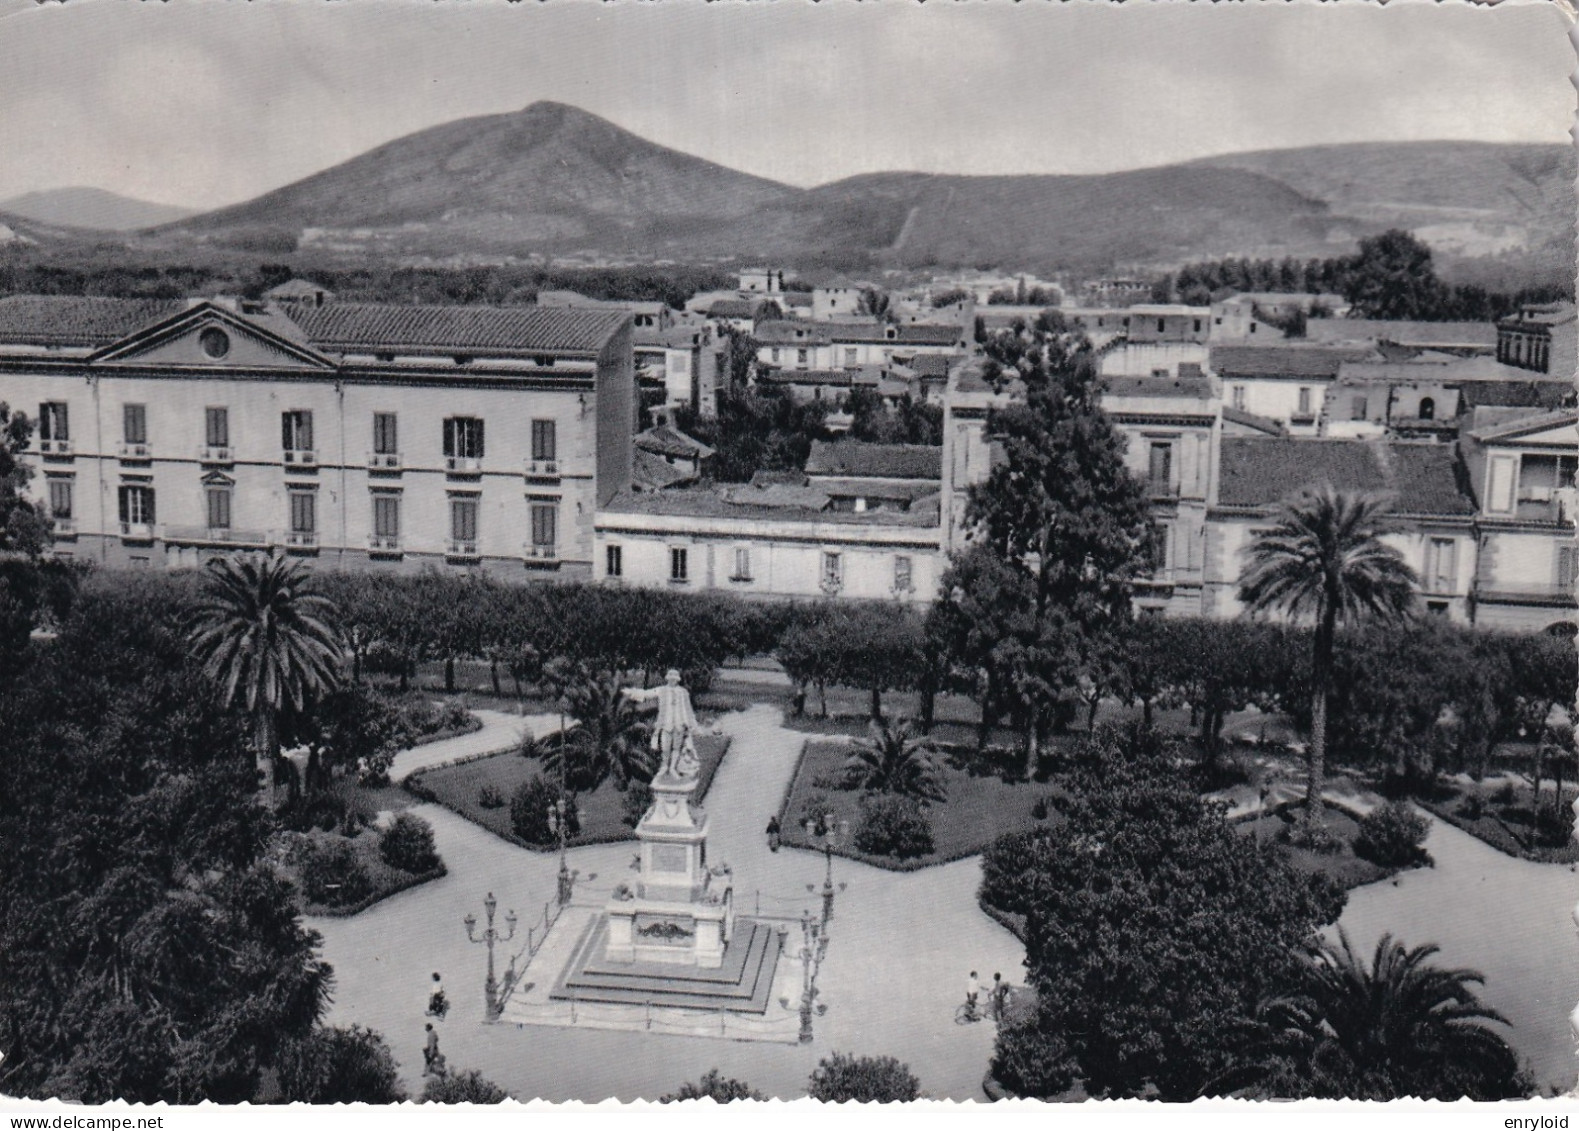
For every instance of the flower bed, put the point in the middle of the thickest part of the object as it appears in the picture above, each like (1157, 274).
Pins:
(1342, 866)
(980, 808)
(458, 787)
(383, 880)
(1499, 815)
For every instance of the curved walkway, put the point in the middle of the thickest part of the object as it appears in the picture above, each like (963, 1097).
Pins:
(901, 945)
(501, 730)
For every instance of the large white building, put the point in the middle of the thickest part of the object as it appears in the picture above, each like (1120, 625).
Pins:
(360, 435)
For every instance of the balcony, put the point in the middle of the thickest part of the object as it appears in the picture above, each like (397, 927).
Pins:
(301, 540)
(213, 453)
(135, 452)
(463, 465)
(384, 543)
(542, 469)
(540, 556)
(137, 532)
(55, 449)
(65, 527)
(1162, 490)
(1547, 504)
(461, 551)
(301, 459)
(383, 461)
(214, 536)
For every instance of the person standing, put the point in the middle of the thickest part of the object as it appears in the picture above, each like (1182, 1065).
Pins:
(972, 993)
(774, 833)
(437, 1005)
(432, 1059)
(1000, 994)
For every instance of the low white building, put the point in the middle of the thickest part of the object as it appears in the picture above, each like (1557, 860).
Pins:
(1286, 383)
(774, 540)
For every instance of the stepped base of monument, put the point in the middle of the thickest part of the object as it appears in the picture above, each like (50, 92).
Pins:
(754, 996)
(743, 984)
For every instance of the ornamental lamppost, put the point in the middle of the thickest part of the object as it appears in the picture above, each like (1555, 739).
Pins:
(559, 814)
(489, 937)
(832, 832)
(814, 942)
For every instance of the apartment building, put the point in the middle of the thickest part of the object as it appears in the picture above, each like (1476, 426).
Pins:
(359, 435)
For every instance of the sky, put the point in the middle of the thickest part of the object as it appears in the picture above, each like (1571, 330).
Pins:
(204, 103)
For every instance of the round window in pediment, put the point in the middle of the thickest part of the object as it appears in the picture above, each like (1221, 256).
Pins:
(215, 342)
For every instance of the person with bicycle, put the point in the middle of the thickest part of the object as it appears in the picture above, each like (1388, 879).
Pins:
(972, 992)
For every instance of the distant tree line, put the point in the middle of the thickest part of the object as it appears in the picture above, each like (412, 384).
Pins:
(1391, 276)
(496, 284)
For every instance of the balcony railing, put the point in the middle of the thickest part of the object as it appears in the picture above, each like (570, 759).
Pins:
(215, 536)
(137, 531)
(383, 461)
(542, 468)
(301, 539)
(65, 527)
(463, 465)
(384, 543)
(135, 451)
(1161, 489)
(539, 552)
(216, 453)
(458, 548)
(57, 448)
(301, 457)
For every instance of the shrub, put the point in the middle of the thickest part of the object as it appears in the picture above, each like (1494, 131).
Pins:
(462, 1088)
(1391, 835)
(408, 844)
(529, 811)
(1033, 1061)
(893, 826)
(1313, 838)
(332, 1066)
(1039, 809)
(453, 715)
(865, 1079)
(1505, 794)
(490, 797)
(716, 1087)
(331, 873)
(637, 798)
(1472, 807)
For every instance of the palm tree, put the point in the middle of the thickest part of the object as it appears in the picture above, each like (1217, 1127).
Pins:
(611, 737)
(1400, 1027)
(895, 760)
(267, 636)
(1324, 557)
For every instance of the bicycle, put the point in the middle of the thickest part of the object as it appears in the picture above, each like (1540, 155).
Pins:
(968, 1013)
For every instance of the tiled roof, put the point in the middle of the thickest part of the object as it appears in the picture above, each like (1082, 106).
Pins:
(77, 320)
(1461, 334)
(1513, 425)
(864, 488)
(298, 288)
(875, 461)
(666, 440)
(930, 366)
(736, 308)
(774, 504)
(1283, 361)
(774, 376)
(654, 473)
(795, 298)
(1422, 477)
(1520, 394)
(791, 334)
(1197, 387)
(1232, 415)
(514, 329)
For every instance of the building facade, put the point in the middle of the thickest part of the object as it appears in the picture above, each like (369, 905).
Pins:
(356, 435)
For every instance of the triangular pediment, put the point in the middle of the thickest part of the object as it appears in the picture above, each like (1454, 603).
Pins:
(210, 336)
(218, 479)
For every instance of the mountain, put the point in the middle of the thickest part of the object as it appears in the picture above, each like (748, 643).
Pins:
(91, 208)
(552, 179)
(547, 175)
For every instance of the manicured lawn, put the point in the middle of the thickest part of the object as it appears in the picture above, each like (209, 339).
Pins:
(459, 786)
(979, 809)
(385, 880)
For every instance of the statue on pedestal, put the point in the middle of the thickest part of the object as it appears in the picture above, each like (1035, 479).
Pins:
(674, 730)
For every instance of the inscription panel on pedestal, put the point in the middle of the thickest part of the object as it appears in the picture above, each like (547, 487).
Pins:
(671, 858)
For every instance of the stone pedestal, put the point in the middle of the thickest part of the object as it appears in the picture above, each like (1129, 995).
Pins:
(678, 912)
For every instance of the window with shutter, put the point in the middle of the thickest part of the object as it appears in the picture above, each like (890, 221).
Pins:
(134, 420)
(386, 438)
(216, 427)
